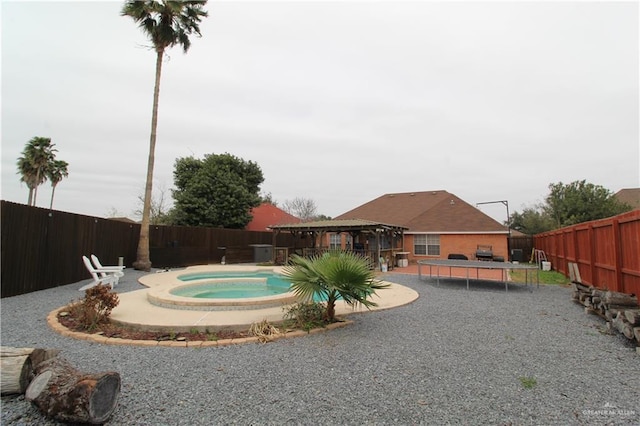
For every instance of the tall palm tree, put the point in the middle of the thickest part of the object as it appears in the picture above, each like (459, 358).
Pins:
(27, 175)
(166, 23)
(58, 171)
(333, 276)
(37, 157)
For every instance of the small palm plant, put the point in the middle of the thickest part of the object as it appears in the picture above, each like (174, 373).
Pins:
(332, 276)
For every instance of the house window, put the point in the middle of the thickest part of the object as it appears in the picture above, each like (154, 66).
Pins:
(335, 241)
(426, 244)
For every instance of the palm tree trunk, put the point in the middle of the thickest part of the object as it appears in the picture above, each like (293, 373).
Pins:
(53, 191)
(143, 260)
(35, 190)
(331, 308)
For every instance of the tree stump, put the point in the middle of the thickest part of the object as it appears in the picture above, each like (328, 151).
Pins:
(63, 393)
(17, 364)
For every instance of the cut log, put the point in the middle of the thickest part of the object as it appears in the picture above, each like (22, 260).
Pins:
(581, 287)
(587, 302)
(63, 393)
(632, 316)
(17, 364)
(609, 315)
(623, 326)
(17, 372)
(627, 330)
(636, 333)
(617, 307)
(623, 299)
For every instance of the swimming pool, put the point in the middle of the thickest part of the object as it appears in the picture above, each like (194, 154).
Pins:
(236, 289)
(224, 290)
(154, 308)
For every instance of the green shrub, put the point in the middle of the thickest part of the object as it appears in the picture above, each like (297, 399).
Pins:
(306, 315)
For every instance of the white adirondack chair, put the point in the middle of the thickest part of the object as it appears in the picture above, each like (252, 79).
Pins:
(100, 276)
(118, 270)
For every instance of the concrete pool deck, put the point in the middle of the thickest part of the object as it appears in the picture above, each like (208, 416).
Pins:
(136, 311)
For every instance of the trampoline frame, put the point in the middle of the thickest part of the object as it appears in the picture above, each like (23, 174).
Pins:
(477, 265)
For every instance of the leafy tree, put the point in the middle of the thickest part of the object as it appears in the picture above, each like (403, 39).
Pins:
(37, 159)
(159, 213)
(332, 276)
(219, 190)
(167, 23)
(268, 198)
(567, 205)
(302, 208)
(532, 220)
(59, 170)
(579, 202)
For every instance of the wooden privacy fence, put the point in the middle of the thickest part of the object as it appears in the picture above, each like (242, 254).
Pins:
(607, 251)
(522, 243)
(43, 248)
(173, 246)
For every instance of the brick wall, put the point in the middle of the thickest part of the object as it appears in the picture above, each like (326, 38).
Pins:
(466, 244)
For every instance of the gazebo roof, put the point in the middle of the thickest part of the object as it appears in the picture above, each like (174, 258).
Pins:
(338, 225)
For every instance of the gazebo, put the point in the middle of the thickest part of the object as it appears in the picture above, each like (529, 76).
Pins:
(374, 240)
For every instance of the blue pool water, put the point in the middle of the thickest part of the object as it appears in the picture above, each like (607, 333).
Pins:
(235, 290)
(239, 288)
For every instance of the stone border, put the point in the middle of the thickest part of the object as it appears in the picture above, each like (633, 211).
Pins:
(52, 320)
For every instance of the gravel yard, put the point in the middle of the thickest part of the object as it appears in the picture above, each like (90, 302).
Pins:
(483, 356)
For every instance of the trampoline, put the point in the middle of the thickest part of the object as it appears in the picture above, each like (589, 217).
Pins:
(477, 265)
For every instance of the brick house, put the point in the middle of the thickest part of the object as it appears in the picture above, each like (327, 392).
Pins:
(267, 214)
(439, 223)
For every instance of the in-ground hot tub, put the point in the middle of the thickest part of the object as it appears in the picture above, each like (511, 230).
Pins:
(229, 290)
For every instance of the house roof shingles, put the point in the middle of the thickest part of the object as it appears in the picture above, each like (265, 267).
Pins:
(427, 211)
(266, 214)
(629, 196)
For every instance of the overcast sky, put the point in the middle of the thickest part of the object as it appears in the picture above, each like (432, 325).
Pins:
(338, 102)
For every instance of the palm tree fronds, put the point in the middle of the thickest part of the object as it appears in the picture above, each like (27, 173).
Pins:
(37, 160)
(167, 23)
(333, 276)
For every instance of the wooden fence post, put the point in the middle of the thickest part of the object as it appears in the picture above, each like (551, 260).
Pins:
(617, 255)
